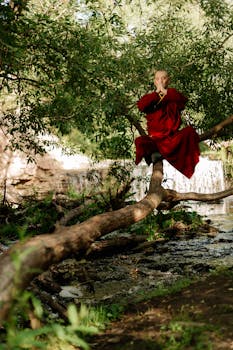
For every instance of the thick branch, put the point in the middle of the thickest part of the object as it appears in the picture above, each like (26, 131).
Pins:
(216, 129)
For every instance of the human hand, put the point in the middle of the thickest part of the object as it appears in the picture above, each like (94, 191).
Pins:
(158, 87)
(161, 89)
(161, 81)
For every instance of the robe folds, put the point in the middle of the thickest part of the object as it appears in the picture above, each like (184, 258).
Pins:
(179, 147)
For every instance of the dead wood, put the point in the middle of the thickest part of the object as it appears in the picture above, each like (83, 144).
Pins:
(46, 282)
(25, 260)
(50, 301)
(115, 245)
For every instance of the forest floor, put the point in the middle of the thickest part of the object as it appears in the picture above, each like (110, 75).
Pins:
(192, 278)
(199, 316)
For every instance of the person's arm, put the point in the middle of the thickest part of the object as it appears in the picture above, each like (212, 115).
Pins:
(175, 96)
(147, 103)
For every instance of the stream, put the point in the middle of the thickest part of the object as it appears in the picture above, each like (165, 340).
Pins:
(129, 274)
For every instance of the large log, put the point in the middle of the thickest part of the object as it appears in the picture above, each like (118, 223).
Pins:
(27, 259)
(20, 264)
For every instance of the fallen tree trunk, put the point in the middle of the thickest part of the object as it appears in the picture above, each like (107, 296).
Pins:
(24, 261)
(27, 259)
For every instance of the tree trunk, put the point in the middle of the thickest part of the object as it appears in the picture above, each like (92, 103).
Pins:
(27, 259)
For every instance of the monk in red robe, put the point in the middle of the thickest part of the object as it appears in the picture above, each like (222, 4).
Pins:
(163, 113)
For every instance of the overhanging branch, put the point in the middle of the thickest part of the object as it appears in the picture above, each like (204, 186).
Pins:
(216, 129)
(136, 124)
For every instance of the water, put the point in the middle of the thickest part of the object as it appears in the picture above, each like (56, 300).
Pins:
(217, 208)
(208, 178)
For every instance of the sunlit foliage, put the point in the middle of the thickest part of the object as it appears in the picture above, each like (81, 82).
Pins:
(82, 65)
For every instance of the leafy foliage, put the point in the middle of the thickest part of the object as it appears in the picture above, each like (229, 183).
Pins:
(162, 224)
(51, 335)
(182, 335)
(82, 65)
(29, 218)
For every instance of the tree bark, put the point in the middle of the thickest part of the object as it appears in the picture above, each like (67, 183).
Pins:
(25, 260)
(201, 197)
(216, 129)
(20, 264)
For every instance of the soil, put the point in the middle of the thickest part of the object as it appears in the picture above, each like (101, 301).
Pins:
(198, 317)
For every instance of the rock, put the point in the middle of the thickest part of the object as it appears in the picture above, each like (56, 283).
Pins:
(54, 172)
(70, 292)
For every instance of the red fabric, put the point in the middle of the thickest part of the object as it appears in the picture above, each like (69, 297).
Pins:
(179, 147)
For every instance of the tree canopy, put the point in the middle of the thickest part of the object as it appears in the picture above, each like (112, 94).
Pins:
(81, 66)
(67, 66)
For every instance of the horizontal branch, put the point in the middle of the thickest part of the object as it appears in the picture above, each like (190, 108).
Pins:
(14, 77)
(216, 129)
(172, 195)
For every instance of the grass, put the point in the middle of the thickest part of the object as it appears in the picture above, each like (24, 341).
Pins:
(183, 335)
(162, 290)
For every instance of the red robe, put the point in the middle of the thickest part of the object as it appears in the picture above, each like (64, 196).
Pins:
(179, 147)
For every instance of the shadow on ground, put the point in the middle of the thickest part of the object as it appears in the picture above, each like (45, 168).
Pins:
(198, 317)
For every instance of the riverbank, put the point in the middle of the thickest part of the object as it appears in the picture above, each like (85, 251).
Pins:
(128, 271)
(199, 317)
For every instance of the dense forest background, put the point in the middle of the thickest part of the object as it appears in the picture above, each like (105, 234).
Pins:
(76, 68)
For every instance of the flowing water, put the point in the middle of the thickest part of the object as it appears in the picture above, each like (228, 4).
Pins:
(208, 178)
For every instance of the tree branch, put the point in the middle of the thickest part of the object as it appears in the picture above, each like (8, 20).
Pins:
(136, 124)
(174, 196)
(216, 129)
(17, 78)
